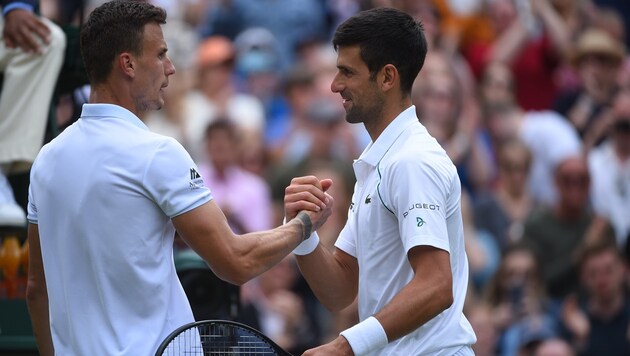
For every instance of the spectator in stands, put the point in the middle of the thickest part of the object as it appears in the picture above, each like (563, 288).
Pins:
(217, 95)
(548, 136)
(452, 118)
(597, 58)
(609, 166)
(244, 197)
(484, 254)
(515, 294)
(598, 321)
(531, 39)
(502, 209)
(299, 92)
(555, 233)
(31, 55)
(290, 21)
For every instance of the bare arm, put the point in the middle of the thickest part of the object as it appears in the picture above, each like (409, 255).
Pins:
(37, 295)
(509, 43)
(555, 26)
(239, 258)
(333, 276)
(427, 295)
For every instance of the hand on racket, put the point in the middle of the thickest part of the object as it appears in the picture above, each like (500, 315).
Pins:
(218, 337)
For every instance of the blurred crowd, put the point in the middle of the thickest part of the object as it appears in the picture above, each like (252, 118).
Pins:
(529, 98)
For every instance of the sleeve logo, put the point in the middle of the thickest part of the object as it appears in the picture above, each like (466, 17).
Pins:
(196, 181)
(419, 221)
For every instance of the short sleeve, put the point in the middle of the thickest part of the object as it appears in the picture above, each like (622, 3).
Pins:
(173, 181)
(416, 192)
(31, 208)
(347, 238)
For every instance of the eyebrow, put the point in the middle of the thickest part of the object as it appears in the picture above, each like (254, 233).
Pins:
(346, 68)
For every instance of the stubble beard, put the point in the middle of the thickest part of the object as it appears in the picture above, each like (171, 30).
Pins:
(365, 114)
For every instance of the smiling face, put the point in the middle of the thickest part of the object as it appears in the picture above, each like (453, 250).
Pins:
(152, 71)
(362, 99)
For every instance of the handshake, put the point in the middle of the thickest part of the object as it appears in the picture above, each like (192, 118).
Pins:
(306, 199)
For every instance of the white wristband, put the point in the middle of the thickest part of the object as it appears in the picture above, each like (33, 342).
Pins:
(307, 246)
(366, 336)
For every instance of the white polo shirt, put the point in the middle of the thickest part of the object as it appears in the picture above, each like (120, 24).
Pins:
(103, 194)
(407, 194)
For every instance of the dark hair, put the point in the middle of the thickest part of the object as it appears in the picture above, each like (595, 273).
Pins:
(112, 28)
(598, 242)
(386, 36)
(222, 124)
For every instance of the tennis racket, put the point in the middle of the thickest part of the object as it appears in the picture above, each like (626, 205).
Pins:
(218, 337)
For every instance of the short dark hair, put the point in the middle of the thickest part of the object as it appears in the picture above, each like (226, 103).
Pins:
(386, 36)
(604, 243)
(222, 124)
(112, 28)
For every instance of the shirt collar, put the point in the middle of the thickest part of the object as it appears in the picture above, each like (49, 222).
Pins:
(376, 150)
(110, 110)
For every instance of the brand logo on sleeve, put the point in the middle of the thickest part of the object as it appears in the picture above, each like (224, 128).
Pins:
(419, 221)
(425, 206)
(196, 181)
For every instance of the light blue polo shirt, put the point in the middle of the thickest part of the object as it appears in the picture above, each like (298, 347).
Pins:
(103, 194)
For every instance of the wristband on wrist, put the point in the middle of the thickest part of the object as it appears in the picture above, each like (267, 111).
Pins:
(307, 246)
(366, 336)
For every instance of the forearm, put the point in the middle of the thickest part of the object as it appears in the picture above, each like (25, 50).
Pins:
(333, 282)
(509, 44)
(37, 302)
(263, 250)
(428, 293)
(238, 258)
(415, 305)
(555, 27)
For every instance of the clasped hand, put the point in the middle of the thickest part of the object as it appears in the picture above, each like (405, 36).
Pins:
(308, 194)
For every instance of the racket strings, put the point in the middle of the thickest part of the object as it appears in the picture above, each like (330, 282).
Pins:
(218, 339)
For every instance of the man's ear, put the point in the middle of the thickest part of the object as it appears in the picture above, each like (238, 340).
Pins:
(388, 77)
(127, 65)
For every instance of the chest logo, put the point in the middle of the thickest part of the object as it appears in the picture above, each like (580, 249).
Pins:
(368, 200)
(420, 221)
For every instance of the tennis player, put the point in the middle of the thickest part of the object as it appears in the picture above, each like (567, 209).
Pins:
(402, 248)
(107, 196)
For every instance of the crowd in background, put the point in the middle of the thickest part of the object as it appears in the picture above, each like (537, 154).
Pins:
(530, 99)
